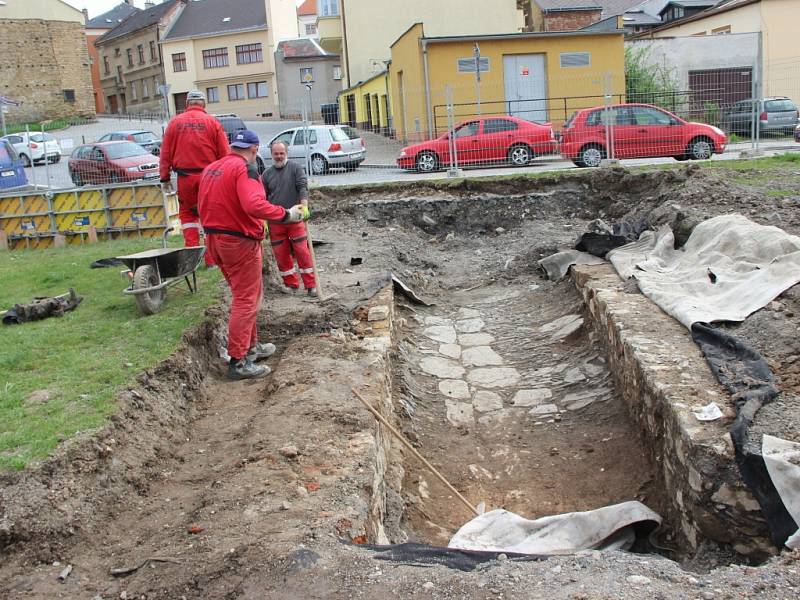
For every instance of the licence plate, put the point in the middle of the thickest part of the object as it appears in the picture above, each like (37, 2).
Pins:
(7, 174)
(150, 175)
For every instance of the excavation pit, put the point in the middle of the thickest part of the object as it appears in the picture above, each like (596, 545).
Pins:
(536, 396)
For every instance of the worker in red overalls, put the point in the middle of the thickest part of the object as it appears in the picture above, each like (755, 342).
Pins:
(192, 141)
(233, 207)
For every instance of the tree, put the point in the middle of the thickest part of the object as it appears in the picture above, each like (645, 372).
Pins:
(648, 81)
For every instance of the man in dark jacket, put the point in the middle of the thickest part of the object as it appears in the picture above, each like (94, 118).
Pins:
(286, 184)
(192, 141)
(233, 208)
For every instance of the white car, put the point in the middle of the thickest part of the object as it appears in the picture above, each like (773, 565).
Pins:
(35, 146)
(328, 147)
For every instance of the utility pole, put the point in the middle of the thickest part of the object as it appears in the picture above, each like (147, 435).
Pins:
(477, 54)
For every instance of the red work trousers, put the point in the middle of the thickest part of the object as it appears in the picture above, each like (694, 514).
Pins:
(288, 239)
(240, 261)
(188, 186)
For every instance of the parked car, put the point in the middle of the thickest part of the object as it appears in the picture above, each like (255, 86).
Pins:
(351, 132)
(639, 131)
(488, 139)
(328, 147)
(797, 134)
(775, 114)
(146, 139)
(111, 162)
(231, 124)
(35, 147)
(12, 173)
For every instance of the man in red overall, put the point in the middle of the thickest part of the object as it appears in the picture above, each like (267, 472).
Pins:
(233, 207)
(192, 141)
(286, 184)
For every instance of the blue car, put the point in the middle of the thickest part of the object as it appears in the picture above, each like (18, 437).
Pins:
(12, 174)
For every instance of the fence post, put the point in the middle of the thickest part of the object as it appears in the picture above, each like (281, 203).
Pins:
(30, 155)
(453, 171)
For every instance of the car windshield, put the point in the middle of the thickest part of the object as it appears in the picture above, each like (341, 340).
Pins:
(37, 137)
(568, 122)
(779, 105)
(338, 135)
(145, 136)
(125, 150)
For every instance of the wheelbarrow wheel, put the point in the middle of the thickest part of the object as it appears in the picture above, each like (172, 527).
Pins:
(149, 302)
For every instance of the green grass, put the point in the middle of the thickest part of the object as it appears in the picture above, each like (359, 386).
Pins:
(82, 358)
(780, 193)
(62, 123)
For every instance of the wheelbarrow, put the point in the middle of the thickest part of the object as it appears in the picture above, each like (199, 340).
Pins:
(153, 271)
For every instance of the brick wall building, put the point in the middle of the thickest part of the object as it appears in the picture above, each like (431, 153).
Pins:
(49, 72)
(570, 20)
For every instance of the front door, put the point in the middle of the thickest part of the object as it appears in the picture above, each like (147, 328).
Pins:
(112, 104)
(351, 110)
(525, 81)
(180, 102)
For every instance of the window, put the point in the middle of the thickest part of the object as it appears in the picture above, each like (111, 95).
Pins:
(300, 138)
(212, 94)
(649, 116)
(575, 59)
(129, 52)
(467, 65)
(145, 91)
(116, 52)
(215, 58)
(179, 62)
(236, 92)
(257, 89)
(156, 87)
(248, 53)
(140, 50)
(306, 74)
(721, 30)
(119, 75)
(498, 125)
(311, 29)
(285, 137)
(153, 52)
(337, 72)
(69, 95)
(106, 67)
(467, 130)
(133, 90)
(328, 8)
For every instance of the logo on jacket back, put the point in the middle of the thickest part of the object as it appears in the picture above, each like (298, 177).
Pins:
(192, 126)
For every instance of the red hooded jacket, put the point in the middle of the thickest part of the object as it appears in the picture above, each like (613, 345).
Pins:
(193, 140)
(232, 199)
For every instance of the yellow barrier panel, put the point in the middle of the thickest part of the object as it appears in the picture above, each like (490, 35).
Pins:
(31, 220)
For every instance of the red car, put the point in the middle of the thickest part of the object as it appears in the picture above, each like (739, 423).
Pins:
(483, 140)
(639, 131)
(111, 162)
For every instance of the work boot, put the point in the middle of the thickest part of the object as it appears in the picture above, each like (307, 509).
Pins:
(312, 292)
(260, 351)
(246, 369)
(291, 291)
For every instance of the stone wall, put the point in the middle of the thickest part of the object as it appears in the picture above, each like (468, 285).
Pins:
(42, 59)
(570, 21)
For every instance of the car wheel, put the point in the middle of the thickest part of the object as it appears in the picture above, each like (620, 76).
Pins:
(57, 159)
(520, 155)
(681, 157)
(319, 166)
(26, 161)
(590, 156)
(427, 162)
(700, 148)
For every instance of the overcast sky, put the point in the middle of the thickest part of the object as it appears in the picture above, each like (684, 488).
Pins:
(98, 7)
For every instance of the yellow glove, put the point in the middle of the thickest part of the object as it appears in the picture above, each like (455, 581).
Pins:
(305, 211)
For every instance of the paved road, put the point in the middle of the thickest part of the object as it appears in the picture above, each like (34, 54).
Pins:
(379, 166)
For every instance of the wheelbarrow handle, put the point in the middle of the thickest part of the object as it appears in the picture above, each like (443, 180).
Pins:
(164, 236)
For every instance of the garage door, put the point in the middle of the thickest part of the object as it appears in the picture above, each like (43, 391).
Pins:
(722, 87)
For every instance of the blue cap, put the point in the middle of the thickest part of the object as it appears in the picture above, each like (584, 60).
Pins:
(244, 139)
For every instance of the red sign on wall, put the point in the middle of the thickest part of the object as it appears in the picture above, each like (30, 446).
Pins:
(526, 71)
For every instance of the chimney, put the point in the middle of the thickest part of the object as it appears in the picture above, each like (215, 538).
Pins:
(85, 16)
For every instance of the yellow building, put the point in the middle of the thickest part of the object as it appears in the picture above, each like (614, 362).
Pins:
(366, 104)
(775, 20)
(535, 76)
(227, 51)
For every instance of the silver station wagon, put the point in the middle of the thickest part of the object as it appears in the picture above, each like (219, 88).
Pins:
(328, 147)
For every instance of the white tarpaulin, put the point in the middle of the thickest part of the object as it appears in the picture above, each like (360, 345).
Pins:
(729, 268)
(610, 527)
(783, 465)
